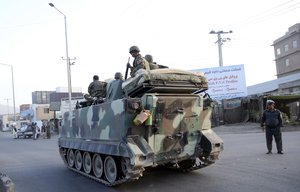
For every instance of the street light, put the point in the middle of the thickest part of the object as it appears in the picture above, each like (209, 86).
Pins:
(68, 63)
(13, 87)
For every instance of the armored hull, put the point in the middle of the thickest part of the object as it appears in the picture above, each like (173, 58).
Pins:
(155, 124)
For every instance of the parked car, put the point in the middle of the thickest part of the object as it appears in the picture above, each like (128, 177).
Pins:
(6, 129)
(24, 132)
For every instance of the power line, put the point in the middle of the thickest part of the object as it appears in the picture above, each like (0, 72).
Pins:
(265, 15)
(28, 24)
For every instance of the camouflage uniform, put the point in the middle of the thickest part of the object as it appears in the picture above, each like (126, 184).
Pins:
(153, 65)
(139, 63)
(97, 89)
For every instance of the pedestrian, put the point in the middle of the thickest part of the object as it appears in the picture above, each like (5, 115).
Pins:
(43, 130)
(35, 130)
(272, 121)
(33, 127)
(97, 88)
(48, 131)
(138, 63)
(114, 90)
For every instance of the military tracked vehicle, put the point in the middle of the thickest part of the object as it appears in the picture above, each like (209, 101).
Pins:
(162, 120)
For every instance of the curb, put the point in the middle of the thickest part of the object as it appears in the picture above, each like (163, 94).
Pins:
(6, 184)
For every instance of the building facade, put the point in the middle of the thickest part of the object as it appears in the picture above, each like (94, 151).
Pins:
(41, 97)
(287, 52)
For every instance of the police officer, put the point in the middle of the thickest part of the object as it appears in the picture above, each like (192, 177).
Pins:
(139, 62)
(97, 88)
(272, 121)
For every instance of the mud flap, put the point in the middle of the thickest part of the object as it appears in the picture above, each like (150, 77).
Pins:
(143, 154)
(211, 143)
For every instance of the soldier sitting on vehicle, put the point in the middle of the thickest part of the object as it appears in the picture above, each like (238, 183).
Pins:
(97, 89)
(114, 89)
(138, 63)
(153, 65)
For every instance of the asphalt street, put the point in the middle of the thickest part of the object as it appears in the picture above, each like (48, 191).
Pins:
(35, 165)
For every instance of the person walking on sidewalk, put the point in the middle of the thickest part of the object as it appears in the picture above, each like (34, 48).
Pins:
(272, 121)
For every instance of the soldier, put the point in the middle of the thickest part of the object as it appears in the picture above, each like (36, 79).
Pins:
(97, 88)
(273, 121)
(153, 65)
(139, 62)
(115, 90)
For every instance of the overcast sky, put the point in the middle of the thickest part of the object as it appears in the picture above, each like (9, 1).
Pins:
(175, 32)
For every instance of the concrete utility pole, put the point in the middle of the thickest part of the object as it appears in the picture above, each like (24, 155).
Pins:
(13, 87)
(68, 63)
(220, 42)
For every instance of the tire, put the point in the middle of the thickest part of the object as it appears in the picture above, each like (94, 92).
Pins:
(87, 162)
(110, 169)
(97, 165)
(78, 160)
(70, 157)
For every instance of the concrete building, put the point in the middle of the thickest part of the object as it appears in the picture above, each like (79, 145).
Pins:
(41, 97)
(287, 59)
(287, 52)
(285, 90)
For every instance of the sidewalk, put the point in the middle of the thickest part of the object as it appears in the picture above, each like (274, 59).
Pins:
(249, 127)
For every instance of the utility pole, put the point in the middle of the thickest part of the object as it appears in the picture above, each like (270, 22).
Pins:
(68, 63)
(13, 88)
(220, 42)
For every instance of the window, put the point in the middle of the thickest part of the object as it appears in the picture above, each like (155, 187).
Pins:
(295, 44)
(46, 110)
(278, 51)
(286, 47)
(287, 62)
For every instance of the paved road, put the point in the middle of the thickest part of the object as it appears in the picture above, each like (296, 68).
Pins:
(35, 165)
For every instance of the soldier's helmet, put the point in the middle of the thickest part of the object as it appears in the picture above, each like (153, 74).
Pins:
(270, 102)
(149, 58)
(134, 48)
(118, 75)
(95, 77)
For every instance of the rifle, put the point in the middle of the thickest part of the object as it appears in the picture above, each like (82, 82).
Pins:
(126, 72)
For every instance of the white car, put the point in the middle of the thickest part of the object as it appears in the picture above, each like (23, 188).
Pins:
(25, 132)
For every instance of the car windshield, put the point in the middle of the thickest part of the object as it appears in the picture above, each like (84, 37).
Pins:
(23, 128)
(28, 128)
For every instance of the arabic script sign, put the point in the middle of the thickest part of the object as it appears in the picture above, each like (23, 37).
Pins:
(226, 82)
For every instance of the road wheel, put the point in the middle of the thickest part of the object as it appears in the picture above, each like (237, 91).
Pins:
(87, 162)
(70, 158)
(78, 160)
(110, 169)
(124, 165)
(97, 165)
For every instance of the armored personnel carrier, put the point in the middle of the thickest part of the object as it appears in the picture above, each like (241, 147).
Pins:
(162, 120)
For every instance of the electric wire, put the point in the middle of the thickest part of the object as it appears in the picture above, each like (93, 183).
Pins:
(267, 14)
